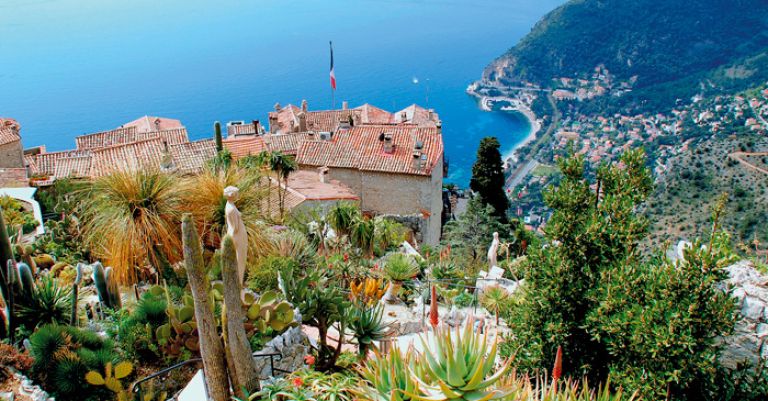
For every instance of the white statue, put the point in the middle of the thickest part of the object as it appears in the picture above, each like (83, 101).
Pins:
(493, 251)
(236, 229)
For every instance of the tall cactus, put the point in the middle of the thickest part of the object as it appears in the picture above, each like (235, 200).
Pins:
(6, 254)
(217, 133)
(211, 348)
(10, 274)
(100, 281)
(27, 280)
(75, 291)
(113, 290)
(246, 372)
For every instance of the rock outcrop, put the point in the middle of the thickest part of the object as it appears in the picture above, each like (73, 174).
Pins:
(749, 341)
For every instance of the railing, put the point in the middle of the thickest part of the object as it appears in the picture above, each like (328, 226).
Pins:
(138, 392)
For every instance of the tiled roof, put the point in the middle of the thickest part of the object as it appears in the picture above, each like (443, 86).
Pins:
(361, 148)
(149, 124)
(190, 157)
(286, 120)
(328, 120)
(415, 114)
(132, 156)
(245, 146)
(308, 184)
(240, 129)
(8, 135)
(128, 135)
(286, 143)
(44, 164)
(370, 114)
(77, 166)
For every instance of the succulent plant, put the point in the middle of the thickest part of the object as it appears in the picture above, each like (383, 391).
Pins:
(400, 267)
(113, 290)
(388, 377)
(266, 311)
(27, 280)
(368, 291)
(6, 255)
(112, 381)
(24, 252)
(44, 261)
(106, 286)
(367, 327)
(75, 292)
(181, 330)
(458, 367)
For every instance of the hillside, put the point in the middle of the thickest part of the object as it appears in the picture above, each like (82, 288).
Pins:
(666, 48)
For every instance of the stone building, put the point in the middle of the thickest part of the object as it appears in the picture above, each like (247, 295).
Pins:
(13, 174)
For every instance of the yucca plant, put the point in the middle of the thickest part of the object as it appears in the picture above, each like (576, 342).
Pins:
(342, 217)
(48, 303)
(459, 366)
(367, 327)
(203, 197)
(493, 299)
(363, 233)
(132, 217)
(388, 377)
(397, 269)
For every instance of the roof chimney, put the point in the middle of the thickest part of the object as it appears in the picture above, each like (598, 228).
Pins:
(388, 142)
(272, 122)
(304, 106)
(302, 121)
(416, 161)
(344, 105)
(321, 173)
(431, 114)
(277, 107)
(403, 116)
(439, 126)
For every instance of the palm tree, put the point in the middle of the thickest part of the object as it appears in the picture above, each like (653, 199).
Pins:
(131, 218)
(282, 166)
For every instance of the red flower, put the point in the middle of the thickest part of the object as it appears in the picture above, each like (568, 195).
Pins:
(298, 382)
(346, 257)
(309, 360)
(433, 318)
(557, 371)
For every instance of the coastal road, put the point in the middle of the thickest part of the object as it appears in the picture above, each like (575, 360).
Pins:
(519, 174)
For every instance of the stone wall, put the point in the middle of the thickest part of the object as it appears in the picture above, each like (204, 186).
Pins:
(749, 342)
(11, 155)
(292, 345)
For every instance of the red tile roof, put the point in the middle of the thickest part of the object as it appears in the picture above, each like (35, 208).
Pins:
(286, 120)
(149, 124)
(286, 143)
(240, 129)
(190, 157)
(77, 166)
(361, 148)
(132, 156)
(307, 183)
(127, 135)
(44, 164)
(8, 135)
(245, 146)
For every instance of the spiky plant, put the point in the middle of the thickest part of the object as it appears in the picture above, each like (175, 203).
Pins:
(293, 244)
(130, 217)
(388, 377)
(400, 267)
(203, 197)
(493, 299)
(459, 366)
(363, 233)
(368, 327)
(48, 303)
(342, 217)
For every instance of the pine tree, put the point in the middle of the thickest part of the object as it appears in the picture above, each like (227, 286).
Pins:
(488, 177)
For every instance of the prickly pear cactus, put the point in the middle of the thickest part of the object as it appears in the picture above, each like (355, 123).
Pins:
(181, 330)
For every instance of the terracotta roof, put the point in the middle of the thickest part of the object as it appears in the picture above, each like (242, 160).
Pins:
(44, 164)
(240, 129)
(129, 135)
(190, 157)
(8, 135)
(245, 146)
(286, 143)
(328, 120)
(76, 166)
(149, 124)
(415, 114)
(307, 183)
(130, 156)
(271, 202)
(286, 120)
(370, 114)
(361, 148)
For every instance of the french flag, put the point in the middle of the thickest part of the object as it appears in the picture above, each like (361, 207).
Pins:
(333, 75)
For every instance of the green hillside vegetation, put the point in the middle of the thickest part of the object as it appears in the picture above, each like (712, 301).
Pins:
(673, 47)
(679, 207)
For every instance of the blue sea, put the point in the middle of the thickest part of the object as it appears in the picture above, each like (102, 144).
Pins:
(69, 67)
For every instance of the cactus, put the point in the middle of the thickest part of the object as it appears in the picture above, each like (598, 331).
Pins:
(217, 135)
(27, 280)
(57, 268)
(24, 252)
(75, 290)
(44, 261)
(6, 254)
(10, 274)
(181, 330)
(113, 290)
(110, 381)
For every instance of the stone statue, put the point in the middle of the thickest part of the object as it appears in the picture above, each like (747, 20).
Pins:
(236, 229)
(493, 251)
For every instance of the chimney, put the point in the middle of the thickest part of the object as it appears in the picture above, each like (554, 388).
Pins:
(304, 106)
(431, 114)
(277, 107)
(344, 105)
(256, 127)
(388, 142)
(439, 125)
(302, 121)
(416, 161)
(272, 122)
(403, 116)
(321, 173)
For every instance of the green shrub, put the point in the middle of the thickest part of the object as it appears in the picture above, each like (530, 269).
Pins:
(16, 216)
(262, 276)
(49, 303)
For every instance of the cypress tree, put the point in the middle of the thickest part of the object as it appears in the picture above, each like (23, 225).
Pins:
(488, 177)
(217, 135)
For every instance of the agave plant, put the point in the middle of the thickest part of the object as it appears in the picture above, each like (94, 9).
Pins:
(398, 268)
(459, 367)
(48, 303)
(493, 298)
(368, 327)
(342, 217)
(388, 377)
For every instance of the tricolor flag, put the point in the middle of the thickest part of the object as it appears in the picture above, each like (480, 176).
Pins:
(333, 75)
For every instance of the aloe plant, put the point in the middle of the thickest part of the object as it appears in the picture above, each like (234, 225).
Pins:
(388, 377)
(459, 367)
(367, 327)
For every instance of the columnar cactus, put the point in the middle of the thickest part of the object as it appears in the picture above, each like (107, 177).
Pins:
(106, 286)
(24, 252)
(75, 290)
(246, 372)
(217, 133)
(27, 280)
(8, 276)
(6, 254)
(211, 348)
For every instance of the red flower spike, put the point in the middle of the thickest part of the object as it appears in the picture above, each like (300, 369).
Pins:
(433, 318)
(298, 382)
(557, 371)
